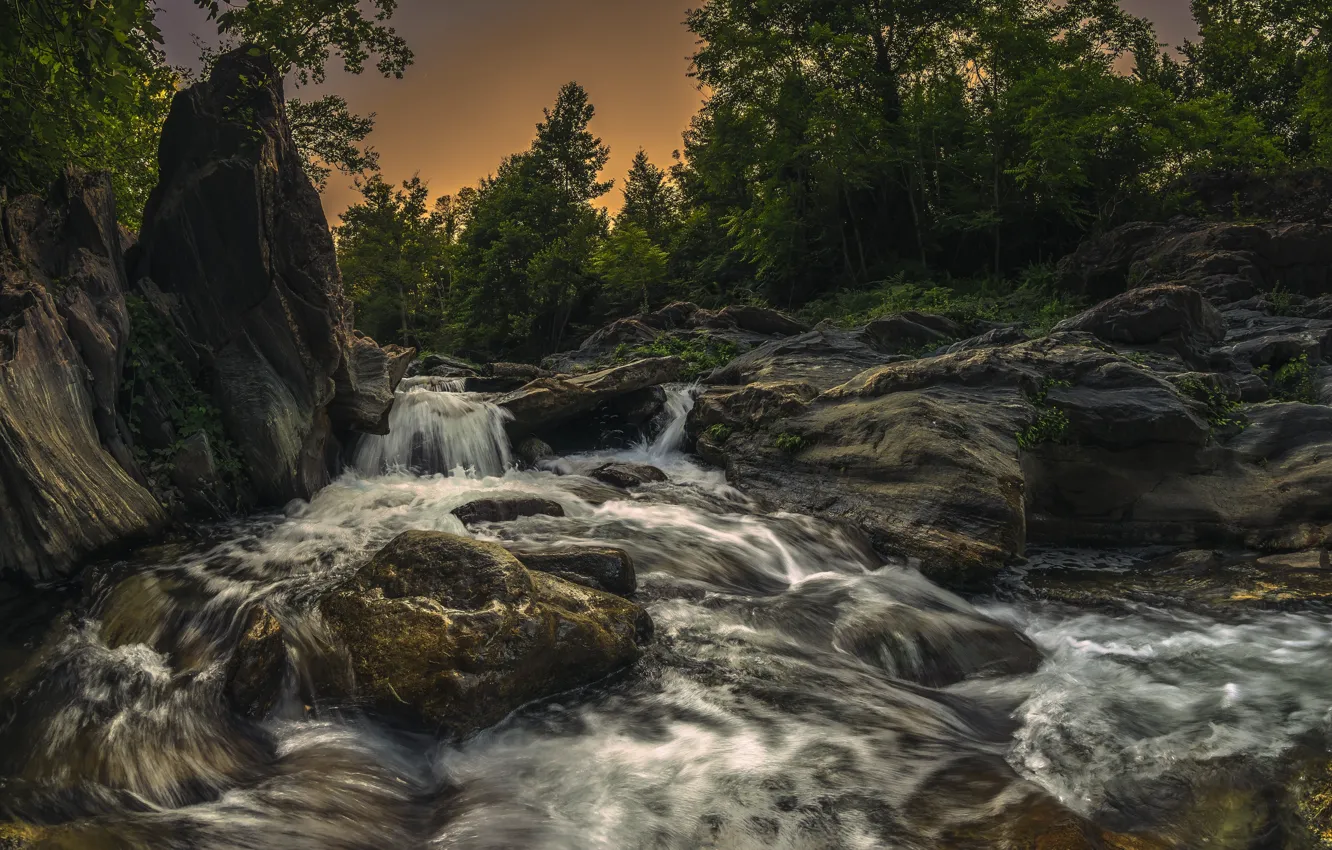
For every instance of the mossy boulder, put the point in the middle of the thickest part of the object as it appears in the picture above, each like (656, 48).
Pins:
(611, 570)
(457, 632)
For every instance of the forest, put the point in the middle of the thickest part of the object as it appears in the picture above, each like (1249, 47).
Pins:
(850, 157)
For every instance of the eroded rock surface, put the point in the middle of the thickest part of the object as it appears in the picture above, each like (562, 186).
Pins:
(459, 633)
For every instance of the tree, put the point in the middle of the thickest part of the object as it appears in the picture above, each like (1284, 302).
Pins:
(651, 201)
(393, 254)
(632, 268)
(523, 272)
(328, 136)
(302, 36)
(82, 83)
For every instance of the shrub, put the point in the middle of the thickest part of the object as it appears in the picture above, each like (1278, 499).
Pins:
(1051, 425)
(789, 443)
(719, 433)
(701, 352)
(1295, 381)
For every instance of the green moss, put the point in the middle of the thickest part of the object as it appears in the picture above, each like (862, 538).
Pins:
(789, 443)
(1051, 425)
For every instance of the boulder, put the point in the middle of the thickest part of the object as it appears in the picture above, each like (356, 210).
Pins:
(457, 633)
(990, 339)
(365, 383)
(626, 475)
(237, 259)
(532, 451)
(761, 320)
(1151, 315)
(69, 485)
(822, 358)
(547, 402)
(519, 371)
(441, 366)
(899, 334)
(506, 509)
(611, 570)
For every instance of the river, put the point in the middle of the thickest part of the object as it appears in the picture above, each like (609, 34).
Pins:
(800, 692)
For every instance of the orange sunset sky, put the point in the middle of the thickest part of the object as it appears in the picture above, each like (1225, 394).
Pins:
(485, 68)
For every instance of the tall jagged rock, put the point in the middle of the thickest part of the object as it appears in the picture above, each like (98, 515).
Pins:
(67, 475)
(236, 241)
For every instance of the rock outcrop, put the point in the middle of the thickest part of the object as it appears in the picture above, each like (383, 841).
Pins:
(458, 633)
(611, 570)
(69, 484)
(548, 402)
(237, 259)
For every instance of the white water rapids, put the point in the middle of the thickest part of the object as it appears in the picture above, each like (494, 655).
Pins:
(800, 693)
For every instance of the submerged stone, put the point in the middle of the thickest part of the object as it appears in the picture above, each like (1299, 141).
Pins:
(628, 475)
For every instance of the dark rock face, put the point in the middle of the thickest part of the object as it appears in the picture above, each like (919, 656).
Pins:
(441, 366)
(68, 480)
(907, 331)
(761, 320)
(611, 570)
(824, 358)
(547, 402)
(628, 475)
(506, 509)
(1226, 262)
(532, 451)
(1151, 315)
(458, 633)
(365, 383)
(235, 239)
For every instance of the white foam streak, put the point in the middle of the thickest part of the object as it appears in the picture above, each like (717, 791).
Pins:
(432, 429)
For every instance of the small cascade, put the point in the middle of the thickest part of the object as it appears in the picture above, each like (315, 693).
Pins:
(436, 428)
(679, 403)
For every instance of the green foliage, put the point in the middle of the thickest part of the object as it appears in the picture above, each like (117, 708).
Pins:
(1294, 381)
(329, 136)
(396, 255)
(151, 366)
(524, 262)
(651, 202)
(632, 269)
(789, 443)
(83, 83)
(1221, 410)
(1030, 302)
(303, 36)
(719, 433)
(700, 352)
(1280, 302)
(1051, 425)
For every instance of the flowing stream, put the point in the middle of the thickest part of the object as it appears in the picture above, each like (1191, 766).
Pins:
(800, 693)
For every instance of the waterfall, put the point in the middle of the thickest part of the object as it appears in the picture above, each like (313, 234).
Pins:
(679, 402)
(434, 427)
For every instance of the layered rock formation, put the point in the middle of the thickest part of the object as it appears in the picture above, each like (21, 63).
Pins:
(236, 243)
(68, 483)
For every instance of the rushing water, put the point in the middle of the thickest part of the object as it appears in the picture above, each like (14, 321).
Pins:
(800, 693)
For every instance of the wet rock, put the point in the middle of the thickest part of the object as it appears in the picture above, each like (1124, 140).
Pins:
(365, 383)
(1121, 407)
(822, 358)
(442, 366)
(69, 485)
(506, 509)
(548, 402)
(1153, 314)
(1208, 581)
(457, 633)
(990, 339)
(627, 475)
(520, 371)
(258, 665)
(16, 835)
(235, 239)
(611, 570)
(531, 451)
